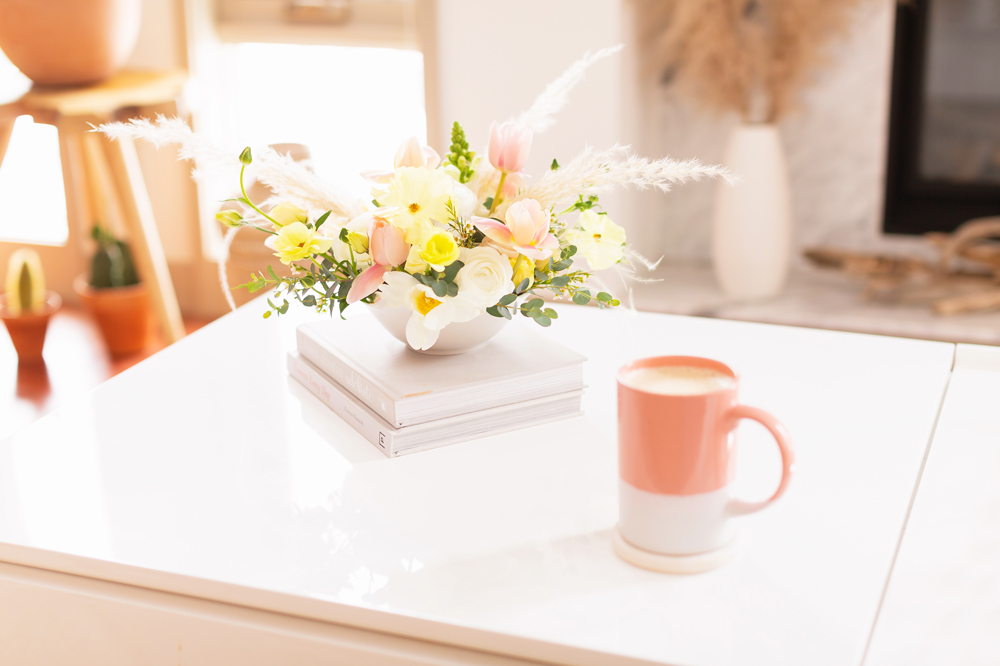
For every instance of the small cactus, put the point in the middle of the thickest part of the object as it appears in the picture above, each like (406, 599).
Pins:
(25, 283)
(112, 263)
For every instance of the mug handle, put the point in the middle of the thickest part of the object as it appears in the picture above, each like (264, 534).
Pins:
(738, 507)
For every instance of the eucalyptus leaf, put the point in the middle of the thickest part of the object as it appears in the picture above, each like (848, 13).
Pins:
(507, 299)
(452, 270)
(440, 288)
(542, 320)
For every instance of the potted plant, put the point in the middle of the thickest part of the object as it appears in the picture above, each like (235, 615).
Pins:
(114, 295)
(749, 58)
(26, 306)
(69, 42)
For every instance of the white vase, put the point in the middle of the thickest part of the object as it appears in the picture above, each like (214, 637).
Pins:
(752, 220)
(458, 338)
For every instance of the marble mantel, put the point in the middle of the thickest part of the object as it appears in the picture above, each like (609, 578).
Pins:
(814, 299)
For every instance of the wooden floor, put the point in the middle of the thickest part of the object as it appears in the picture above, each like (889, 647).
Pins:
(75, 362)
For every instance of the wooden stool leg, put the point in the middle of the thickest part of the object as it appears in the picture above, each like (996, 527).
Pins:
(6, 129)
(78, 212)
(151, 263)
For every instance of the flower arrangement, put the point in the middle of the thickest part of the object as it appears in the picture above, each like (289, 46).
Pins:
(450, 239)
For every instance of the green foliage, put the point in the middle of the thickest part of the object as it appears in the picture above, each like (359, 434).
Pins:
(442, 283)
(111, 265)
(554, 165)
(460, 156)
(583, 203)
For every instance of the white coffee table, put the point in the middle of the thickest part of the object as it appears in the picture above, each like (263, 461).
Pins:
(203, 508)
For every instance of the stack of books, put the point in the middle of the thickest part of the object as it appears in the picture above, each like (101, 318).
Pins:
(403, 401)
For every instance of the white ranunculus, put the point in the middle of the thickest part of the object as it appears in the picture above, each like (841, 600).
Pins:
(486, 276)
(465, 201)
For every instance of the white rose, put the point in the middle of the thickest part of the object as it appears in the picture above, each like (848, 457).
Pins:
(485, 277)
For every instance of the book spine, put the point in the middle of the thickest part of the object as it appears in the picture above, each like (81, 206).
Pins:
(359, 385)
(334, 397)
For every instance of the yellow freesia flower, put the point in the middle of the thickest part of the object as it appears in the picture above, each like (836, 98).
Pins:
(419, 194)
(599, 240)
(285, 213)
(296, 241)
(440, 250)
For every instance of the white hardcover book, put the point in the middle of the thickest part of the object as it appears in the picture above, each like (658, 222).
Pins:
(407, 388)
(394, 441)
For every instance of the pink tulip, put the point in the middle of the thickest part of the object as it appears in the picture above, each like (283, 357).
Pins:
(412, 154)
(509, 146)
(526, 230)
(387, 244)
(387, 247)
(409, 154)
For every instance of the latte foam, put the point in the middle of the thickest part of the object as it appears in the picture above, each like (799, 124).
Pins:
(678, 380)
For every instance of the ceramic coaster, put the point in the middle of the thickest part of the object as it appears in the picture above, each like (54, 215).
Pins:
(672, 564)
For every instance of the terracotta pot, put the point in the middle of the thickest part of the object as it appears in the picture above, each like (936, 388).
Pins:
(69, 42)
(122, 314)
(27, 331)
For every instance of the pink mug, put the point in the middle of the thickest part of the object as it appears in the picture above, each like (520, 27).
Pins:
(676, 460)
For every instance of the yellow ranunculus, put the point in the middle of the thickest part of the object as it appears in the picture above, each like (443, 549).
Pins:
(286, 213)
(414, 263)
(419, 233)
(297, 241)
(440, 250)
(525, 270)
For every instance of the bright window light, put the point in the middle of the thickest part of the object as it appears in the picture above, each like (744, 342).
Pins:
(352, 106)
(31, 186)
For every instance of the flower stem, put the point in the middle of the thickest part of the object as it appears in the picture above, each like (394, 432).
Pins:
(496, 197)
(517, 264)
(247, 199)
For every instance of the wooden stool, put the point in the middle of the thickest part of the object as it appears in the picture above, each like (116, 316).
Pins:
(93, 165)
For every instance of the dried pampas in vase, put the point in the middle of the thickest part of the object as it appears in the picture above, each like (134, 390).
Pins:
(751, 58)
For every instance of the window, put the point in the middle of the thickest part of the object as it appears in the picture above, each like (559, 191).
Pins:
(352, 106)
(31, 186)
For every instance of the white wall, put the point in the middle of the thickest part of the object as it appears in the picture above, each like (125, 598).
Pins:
(495, 58)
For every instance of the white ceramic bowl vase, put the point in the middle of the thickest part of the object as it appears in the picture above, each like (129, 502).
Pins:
(456, 338)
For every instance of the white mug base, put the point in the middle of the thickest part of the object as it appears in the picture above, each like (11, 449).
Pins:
(675, 524)
(672, 564)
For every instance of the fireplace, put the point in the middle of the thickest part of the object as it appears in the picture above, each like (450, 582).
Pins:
(944, 133)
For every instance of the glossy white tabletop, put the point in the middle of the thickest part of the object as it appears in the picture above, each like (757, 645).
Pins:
(205, 470)
(942, 605)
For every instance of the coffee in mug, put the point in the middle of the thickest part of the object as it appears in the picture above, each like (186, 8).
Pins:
(677, 418)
